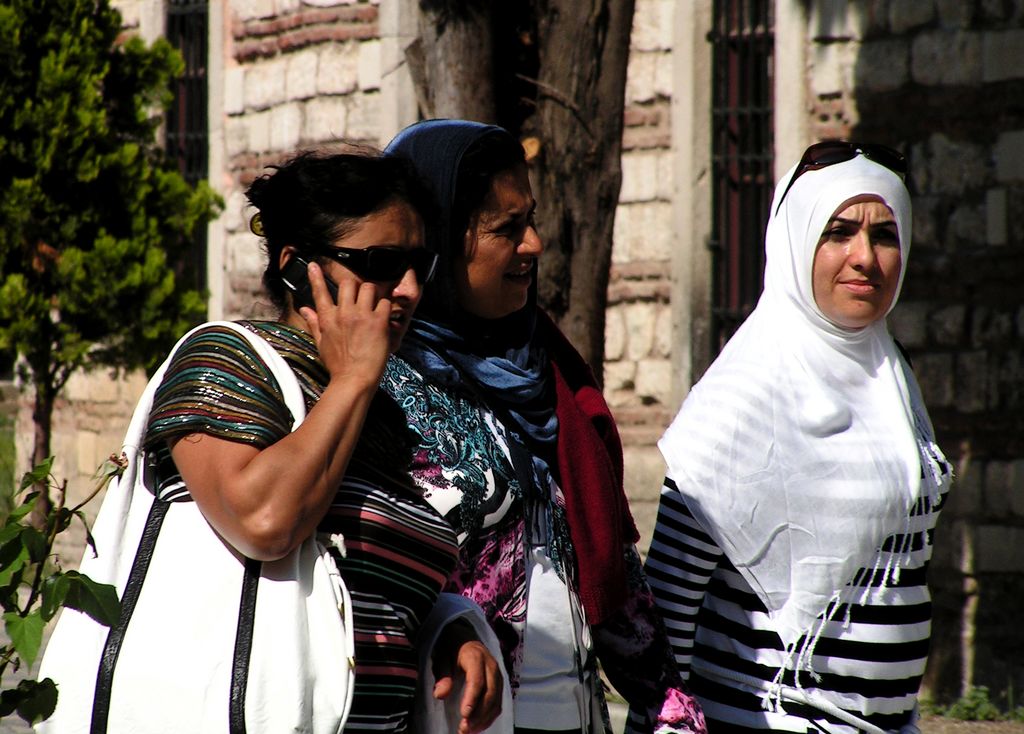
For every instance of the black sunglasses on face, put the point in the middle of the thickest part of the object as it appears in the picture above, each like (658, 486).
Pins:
(385, 263)
(831, 152)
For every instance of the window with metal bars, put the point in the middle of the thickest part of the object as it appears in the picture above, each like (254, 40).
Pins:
(742, 39)
(187, 137)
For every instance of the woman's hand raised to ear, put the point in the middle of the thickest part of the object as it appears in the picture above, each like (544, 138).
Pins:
(352, 335)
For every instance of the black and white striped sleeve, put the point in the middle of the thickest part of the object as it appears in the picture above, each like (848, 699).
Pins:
(680, 562)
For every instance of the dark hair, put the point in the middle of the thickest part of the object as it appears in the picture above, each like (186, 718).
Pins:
(313, 199)
(484, 159)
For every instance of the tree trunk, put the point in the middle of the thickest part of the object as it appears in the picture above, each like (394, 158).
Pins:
(451, 63)
(572, 54)
(583, 51)
(42, 419)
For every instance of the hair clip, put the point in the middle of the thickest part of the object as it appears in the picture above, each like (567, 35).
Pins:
(256, 225)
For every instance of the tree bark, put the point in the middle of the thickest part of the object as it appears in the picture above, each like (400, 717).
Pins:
(572, 54)
(584, 49)
(42, 419)
(452, 62)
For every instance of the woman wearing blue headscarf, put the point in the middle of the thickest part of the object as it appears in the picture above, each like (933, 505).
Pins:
(519, 451)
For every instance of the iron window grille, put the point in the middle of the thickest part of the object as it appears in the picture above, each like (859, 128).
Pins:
(742, 40)
(187, 136)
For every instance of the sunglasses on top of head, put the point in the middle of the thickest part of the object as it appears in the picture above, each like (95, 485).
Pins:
(831, 152)
(384, 263)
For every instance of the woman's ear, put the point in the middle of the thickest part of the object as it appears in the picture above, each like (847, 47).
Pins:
(287, 253)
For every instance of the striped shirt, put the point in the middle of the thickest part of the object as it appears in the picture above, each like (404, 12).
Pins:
(399, 551)
(870, 657)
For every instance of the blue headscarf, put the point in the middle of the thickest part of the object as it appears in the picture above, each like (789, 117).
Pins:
(527, 373)
(500, 356)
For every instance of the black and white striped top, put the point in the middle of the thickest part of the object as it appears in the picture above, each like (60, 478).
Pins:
(870, 658)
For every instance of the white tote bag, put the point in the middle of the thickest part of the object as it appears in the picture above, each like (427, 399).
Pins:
(208, 641)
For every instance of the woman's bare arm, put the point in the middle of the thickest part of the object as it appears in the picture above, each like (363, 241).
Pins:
(265, 502)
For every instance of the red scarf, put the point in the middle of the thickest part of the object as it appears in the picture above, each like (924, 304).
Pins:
(590, 475)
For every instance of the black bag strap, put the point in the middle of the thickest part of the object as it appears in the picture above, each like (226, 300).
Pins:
(115, 637)
(243, 646)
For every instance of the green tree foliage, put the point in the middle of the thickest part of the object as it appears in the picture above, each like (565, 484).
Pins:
(94, 219)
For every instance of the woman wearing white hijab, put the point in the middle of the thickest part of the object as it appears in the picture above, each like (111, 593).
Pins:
(803, 476)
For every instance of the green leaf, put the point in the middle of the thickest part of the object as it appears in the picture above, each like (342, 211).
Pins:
(9, 700)
(13, 557)
(38, 474)
(9, 598)
(97, 600)
(38, 701)
(63, 519)
(54, 592)
(24, 508)
(89, 540)
(26, 634)
(8, 533)
(36, 544)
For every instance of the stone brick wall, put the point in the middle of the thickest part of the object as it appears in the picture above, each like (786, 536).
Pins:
(298, 75)
(89, 422)
(638, 332)
(944, 81)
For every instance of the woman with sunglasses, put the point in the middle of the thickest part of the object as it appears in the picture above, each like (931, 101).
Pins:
(804, 481)
(519, 451)
(346, 267)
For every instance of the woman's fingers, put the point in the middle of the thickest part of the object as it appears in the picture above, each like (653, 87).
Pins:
(480, 703)
(321, 296)
(351, 330)
(481, 695)
(312, 322)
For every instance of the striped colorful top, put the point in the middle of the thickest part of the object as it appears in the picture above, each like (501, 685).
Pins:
(870, 658)
(399, 551)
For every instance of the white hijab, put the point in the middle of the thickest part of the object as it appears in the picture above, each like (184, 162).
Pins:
(796, 451)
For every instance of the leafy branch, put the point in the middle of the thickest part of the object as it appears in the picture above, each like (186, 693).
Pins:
(33, 586)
